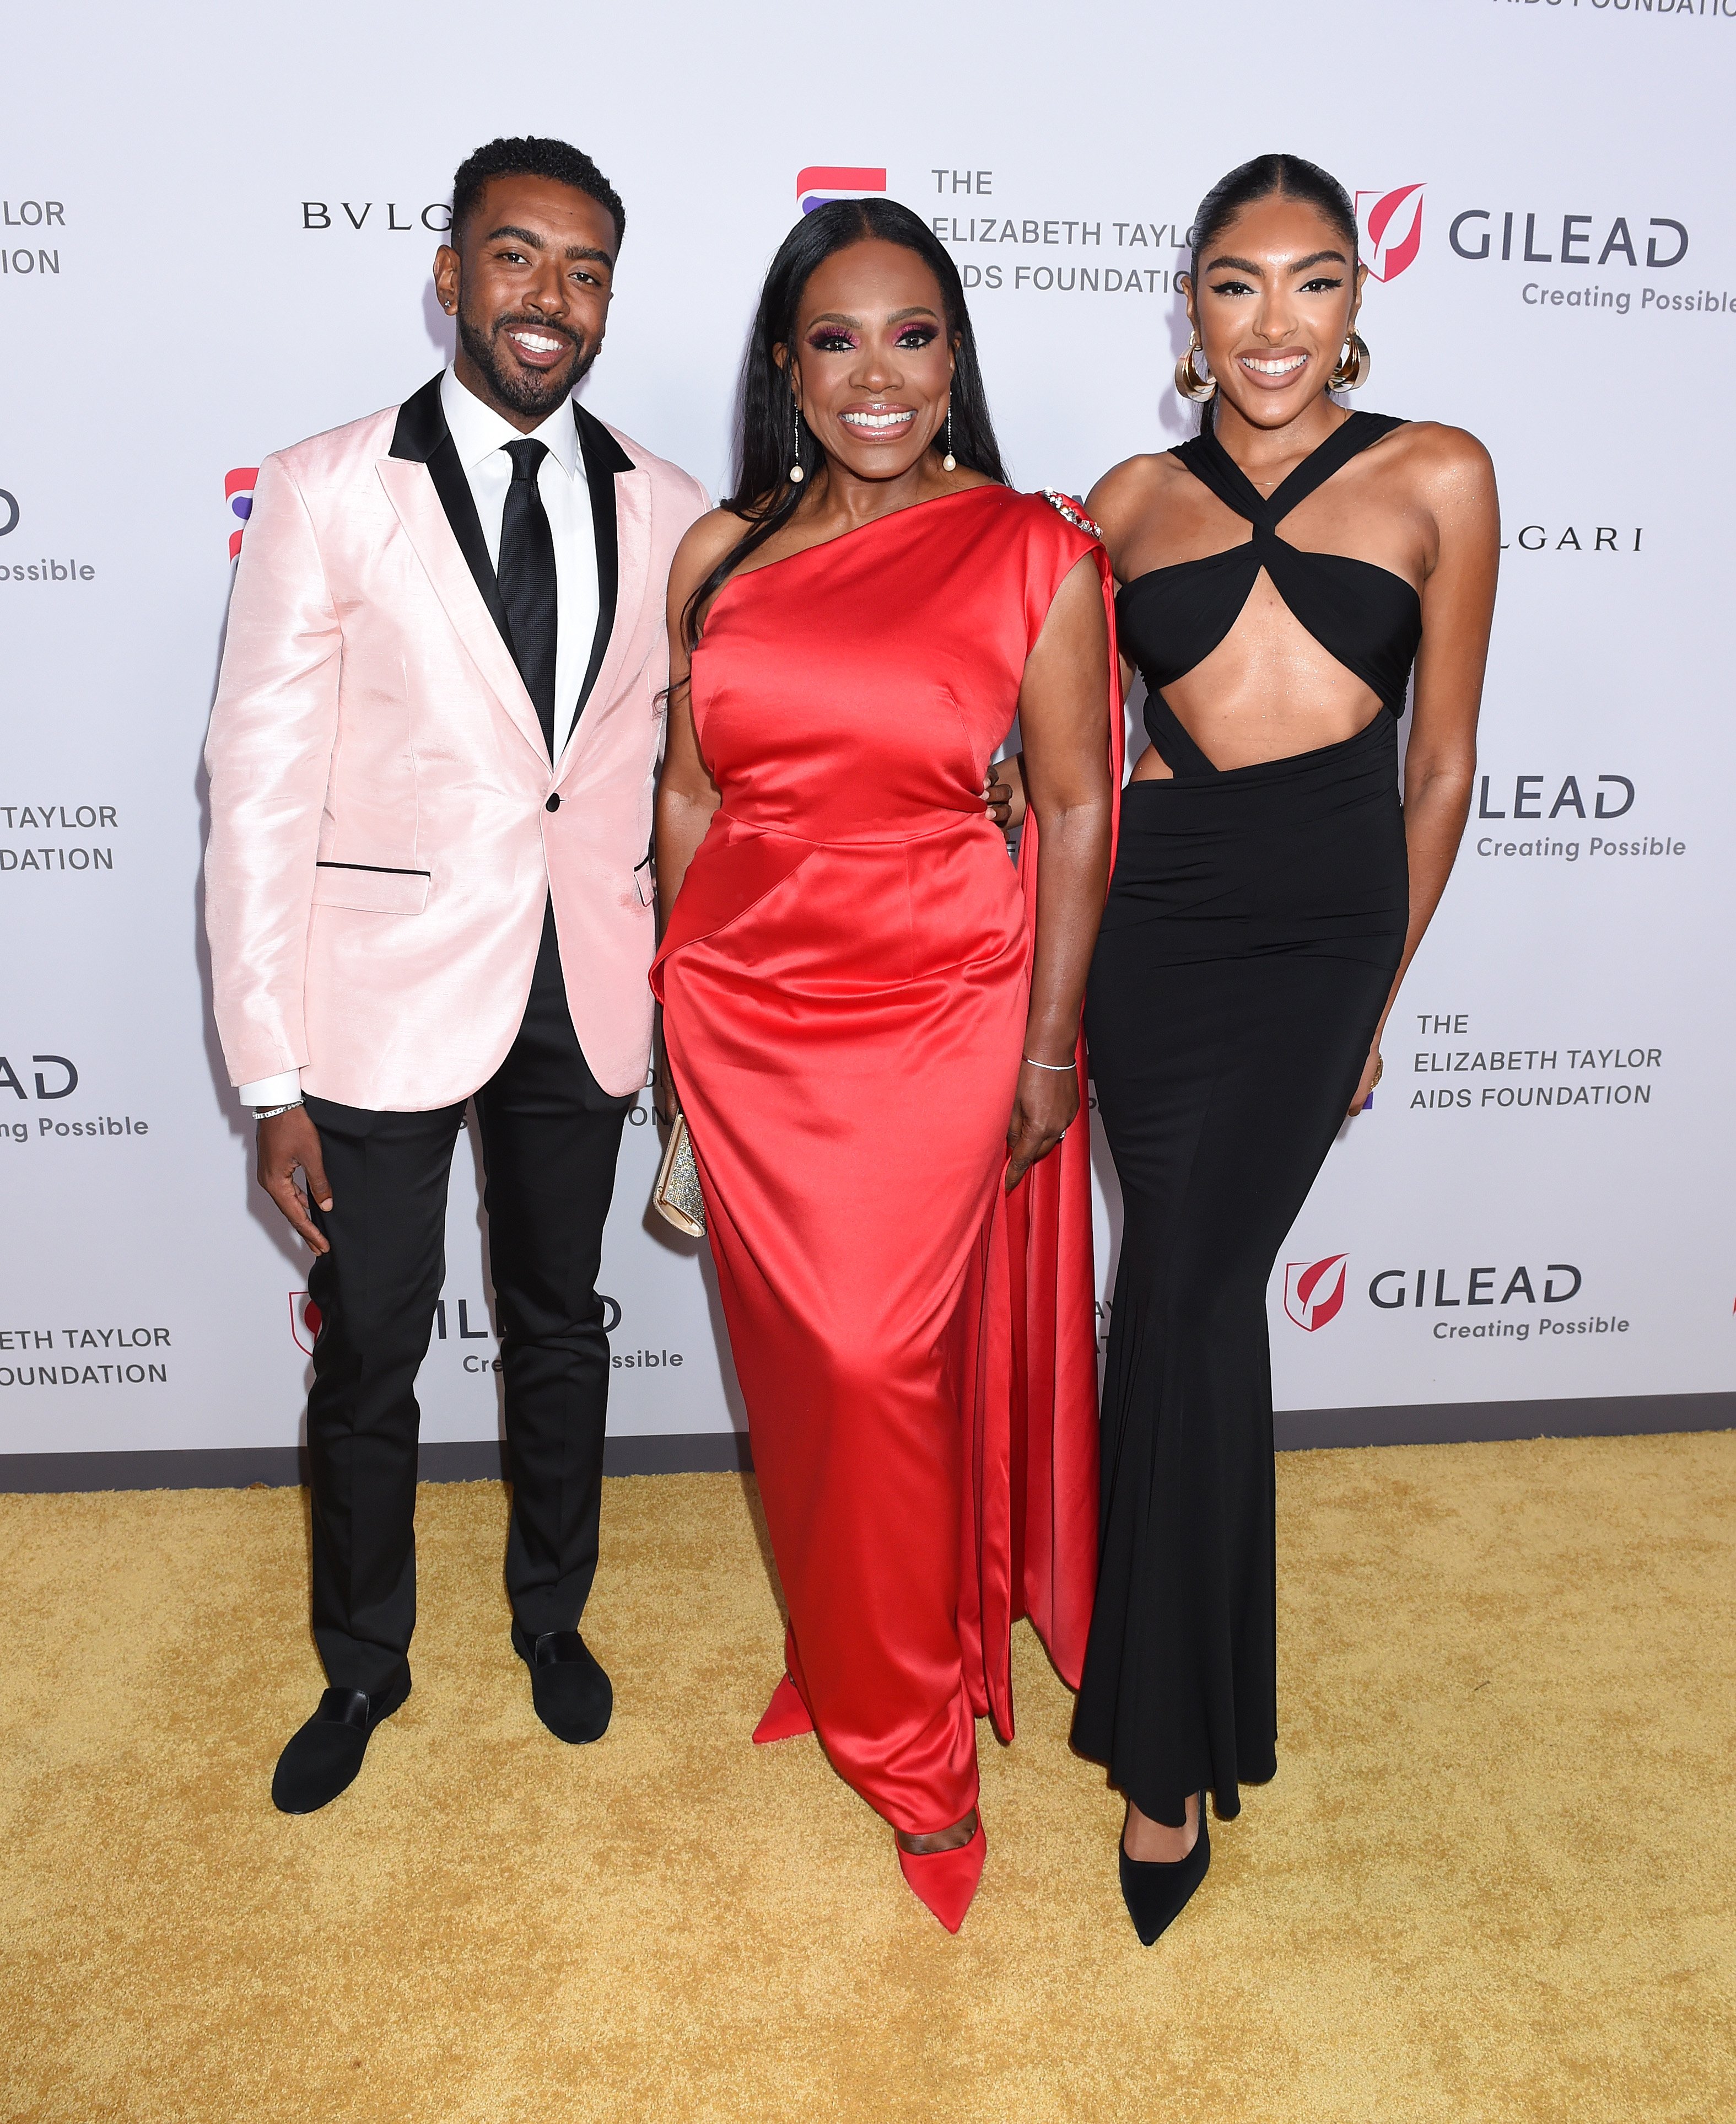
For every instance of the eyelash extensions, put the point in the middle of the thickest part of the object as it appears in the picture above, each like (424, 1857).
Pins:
(913, 338)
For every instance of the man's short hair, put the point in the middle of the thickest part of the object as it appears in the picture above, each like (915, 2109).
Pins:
(532, 158)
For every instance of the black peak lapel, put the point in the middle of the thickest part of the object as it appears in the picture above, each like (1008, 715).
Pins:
(422, 436)
(604, 457)
(421, 424)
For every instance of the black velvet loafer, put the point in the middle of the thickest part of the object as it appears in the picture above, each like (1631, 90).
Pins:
(323, 1756)
(572, 1695)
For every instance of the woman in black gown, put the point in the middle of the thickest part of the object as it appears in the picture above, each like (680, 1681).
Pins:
(1281, 573)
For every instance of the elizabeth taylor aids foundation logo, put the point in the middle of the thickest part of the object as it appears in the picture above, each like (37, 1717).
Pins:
(1389, 230)
(827, 182)
(1314, 1291)
(238, 493)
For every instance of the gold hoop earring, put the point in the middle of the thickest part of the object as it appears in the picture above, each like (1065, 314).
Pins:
(1354, 366)
(1189, 381)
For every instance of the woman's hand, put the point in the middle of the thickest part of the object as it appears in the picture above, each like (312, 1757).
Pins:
(1003, 793)
(1043, 1106)
(1372, 1069)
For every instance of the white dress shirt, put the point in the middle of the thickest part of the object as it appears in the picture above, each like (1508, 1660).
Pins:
(481, 435)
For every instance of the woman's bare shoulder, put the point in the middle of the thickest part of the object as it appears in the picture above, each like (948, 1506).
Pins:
(1129, 490)
(709, 538)
(703, 545)
(1443, 464)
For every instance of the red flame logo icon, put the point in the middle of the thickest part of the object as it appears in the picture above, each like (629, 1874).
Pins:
(1313, 1292)
(1389, 229)
(304, 1320)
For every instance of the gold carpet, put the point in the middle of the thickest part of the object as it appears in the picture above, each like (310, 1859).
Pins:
(1493, 1880)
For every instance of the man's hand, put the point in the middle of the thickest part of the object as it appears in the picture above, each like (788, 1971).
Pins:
(1003, 793)
(289, 1142)
(1043, 1107)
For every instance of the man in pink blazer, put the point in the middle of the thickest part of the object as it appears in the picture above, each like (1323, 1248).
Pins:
(431, 759)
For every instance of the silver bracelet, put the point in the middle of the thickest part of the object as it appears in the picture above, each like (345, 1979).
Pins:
(271, 1113)
(1060, 1069)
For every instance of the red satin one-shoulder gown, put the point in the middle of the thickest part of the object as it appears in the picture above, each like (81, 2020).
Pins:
(845, 979)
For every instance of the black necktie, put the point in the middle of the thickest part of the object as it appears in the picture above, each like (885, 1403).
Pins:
(526, 574)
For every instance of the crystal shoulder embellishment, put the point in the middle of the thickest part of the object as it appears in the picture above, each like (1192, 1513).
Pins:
(1064, 505)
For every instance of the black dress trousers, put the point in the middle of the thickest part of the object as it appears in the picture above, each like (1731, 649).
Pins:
(551, 1136)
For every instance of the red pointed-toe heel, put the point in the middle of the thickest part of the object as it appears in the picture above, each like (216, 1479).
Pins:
(785, 1715)
(946, 1881)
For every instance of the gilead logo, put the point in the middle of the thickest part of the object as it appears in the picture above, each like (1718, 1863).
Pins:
(1476, 235)
(827, 181)
(238, 493)
(1553, 1285)
(1389, 230)
(1314, 1291)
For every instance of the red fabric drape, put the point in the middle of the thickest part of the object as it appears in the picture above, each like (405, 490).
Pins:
(1031, 1504)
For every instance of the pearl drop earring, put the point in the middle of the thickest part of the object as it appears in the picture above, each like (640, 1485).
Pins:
(948, 462)
(796, 474)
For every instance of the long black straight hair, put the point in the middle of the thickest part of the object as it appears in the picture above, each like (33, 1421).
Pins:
(766, 444)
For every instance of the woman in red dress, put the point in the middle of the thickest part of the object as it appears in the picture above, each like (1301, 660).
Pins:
(872, 1021)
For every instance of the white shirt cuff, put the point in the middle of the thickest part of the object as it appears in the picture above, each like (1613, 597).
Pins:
(276, 1091)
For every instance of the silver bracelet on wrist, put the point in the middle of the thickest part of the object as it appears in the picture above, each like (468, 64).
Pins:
(271, 1113)
(1060, 1069)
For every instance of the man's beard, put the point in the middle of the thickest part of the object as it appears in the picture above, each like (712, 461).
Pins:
(524, 393)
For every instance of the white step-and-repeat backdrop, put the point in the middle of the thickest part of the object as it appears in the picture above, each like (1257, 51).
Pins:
(217, 226)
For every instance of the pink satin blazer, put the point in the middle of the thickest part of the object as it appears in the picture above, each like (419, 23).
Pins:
(382, 842)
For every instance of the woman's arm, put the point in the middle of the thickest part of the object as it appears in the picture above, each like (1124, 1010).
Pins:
(1123, 504)
(686, 796)
(1458, 488)
(1115, 505)
(1063, 706)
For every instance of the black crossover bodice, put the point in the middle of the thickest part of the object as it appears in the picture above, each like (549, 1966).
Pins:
(1172, 618)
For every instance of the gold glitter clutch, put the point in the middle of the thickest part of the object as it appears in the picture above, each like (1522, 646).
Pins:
(676, 1198)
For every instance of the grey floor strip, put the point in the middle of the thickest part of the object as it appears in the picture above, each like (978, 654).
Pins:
(1472, 1422)
(709, 1452)
(237, 1467)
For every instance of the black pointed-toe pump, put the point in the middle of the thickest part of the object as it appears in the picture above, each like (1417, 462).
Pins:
(1155, 1891)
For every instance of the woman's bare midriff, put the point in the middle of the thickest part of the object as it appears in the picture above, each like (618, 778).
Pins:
(1268, 691)
(1230, 741)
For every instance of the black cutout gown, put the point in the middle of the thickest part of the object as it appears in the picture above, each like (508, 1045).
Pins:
(1256, 920)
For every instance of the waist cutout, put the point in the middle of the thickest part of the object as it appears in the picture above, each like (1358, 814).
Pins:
(1269, 855)
(1369, 758)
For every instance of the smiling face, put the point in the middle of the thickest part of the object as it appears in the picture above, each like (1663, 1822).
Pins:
(529, 283)
(1278, 291)
(871, 357)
